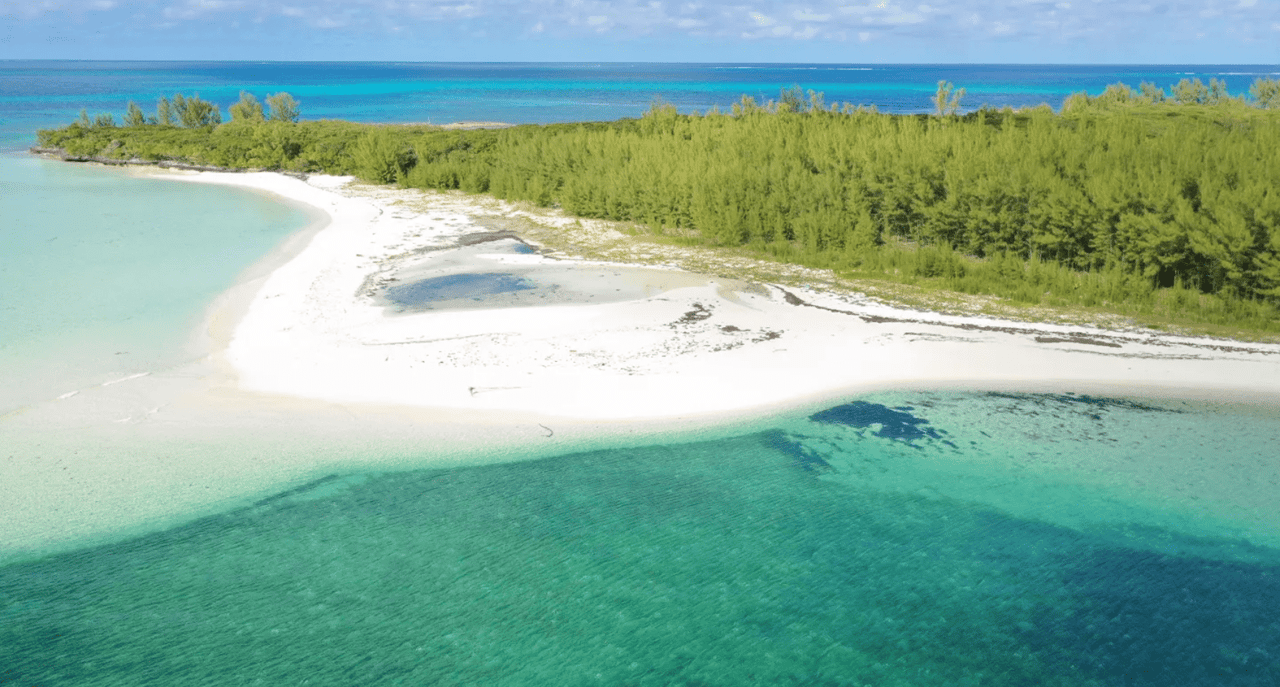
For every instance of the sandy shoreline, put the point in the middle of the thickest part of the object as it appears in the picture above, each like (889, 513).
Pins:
(693, 346)
(313, 369)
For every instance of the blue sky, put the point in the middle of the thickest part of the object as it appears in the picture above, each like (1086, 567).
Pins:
(857, 31)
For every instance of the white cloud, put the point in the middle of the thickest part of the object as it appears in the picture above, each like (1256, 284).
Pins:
(463, 10)
(905, 18)
(327, 22)
(1088, 24)
(806, 15)
(190, 9)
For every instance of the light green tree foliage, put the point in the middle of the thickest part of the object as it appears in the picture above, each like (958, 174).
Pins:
(248, 110)
(164, 113)
(818, 102)
(1217, 91)
(194, 112)
(746, 105)
(1266, 93)
(791, 99)
(133, 116)
(83, 120)
(1166, 208)
(1151, 93)
(282, 107)
(275, 144)
(105, 120)
(946, 101)
(1188, 91)
(1117, 94)
(378, 156)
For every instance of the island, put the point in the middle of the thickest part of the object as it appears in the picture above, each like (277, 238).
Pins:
(492, 294)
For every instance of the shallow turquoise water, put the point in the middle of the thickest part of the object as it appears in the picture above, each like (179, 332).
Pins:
(107, 275)
(866, 544)
(900, 539)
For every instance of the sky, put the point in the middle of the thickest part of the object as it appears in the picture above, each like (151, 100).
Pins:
(823, 31)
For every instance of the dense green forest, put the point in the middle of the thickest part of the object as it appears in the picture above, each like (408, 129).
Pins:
(1159, 205)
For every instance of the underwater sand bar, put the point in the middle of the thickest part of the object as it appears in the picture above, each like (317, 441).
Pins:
(320, 328)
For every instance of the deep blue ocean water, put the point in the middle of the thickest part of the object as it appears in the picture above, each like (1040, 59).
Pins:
(899, 538)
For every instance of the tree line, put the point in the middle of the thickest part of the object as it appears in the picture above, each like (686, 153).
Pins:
(1152, 205)
(192, 112)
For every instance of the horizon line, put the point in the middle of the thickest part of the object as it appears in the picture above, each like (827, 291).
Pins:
(655, 62)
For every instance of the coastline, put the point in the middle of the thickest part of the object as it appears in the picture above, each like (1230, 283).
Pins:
(705, 346)
(311, 373)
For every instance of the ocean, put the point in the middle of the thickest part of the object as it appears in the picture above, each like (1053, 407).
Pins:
(897, 538)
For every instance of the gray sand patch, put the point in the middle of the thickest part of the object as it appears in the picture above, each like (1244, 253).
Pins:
(476, 276)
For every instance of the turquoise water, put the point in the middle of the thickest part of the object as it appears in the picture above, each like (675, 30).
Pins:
(906, 538)
(867, 544)
(107, 275)
(35, 94)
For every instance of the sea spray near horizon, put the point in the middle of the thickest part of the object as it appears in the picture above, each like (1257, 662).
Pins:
(897, 539)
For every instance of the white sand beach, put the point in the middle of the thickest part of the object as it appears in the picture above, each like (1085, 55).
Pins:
(409, 330)
(676, 345)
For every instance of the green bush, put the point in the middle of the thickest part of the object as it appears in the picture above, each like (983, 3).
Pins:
(1129, 200)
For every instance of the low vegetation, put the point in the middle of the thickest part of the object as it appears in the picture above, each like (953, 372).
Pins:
(1160, 206)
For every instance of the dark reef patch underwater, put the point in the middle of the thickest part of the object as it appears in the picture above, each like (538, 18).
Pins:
(900, 539)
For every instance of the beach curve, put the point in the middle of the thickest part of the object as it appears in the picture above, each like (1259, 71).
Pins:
(313, 372)
(703, 346)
